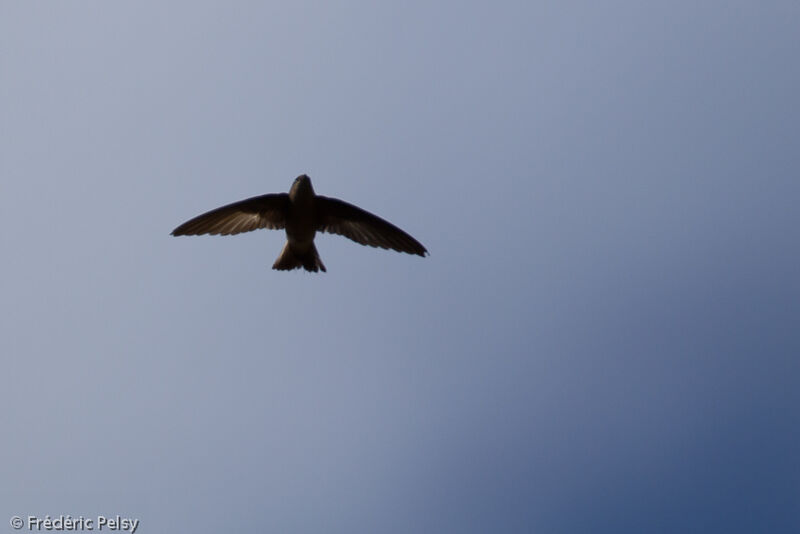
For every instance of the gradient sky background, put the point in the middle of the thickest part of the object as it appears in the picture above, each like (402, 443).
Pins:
(605, 338)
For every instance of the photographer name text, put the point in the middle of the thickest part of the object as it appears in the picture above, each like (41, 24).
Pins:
(68, 523)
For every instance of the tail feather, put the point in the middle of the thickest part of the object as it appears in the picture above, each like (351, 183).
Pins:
(289, 259)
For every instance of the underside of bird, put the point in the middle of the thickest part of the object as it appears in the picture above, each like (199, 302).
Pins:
(302, 213)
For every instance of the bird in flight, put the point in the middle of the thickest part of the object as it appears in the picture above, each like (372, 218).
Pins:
(302, 213)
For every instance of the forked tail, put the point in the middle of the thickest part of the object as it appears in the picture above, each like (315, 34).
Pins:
(289, 259)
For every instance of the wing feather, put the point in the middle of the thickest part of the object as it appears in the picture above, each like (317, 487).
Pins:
(265, 211)
(338, 217)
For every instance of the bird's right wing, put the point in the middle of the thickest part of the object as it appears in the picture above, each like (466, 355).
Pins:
(338, 217)
(265, 211)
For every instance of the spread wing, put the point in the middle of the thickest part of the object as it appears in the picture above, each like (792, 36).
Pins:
(265, 211)
(338, 217)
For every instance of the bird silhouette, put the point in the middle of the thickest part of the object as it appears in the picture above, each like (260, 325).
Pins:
(302, 213)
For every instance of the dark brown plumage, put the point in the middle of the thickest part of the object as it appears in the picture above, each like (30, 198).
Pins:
(302, 213)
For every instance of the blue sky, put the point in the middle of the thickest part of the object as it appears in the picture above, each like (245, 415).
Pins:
(603, 339)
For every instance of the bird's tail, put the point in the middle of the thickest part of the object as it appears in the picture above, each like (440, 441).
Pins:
(290, 259)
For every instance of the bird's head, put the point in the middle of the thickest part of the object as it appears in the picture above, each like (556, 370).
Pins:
(301, 187)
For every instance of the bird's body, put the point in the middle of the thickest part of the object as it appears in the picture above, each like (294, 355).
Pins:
(302, 214)
(300, 231)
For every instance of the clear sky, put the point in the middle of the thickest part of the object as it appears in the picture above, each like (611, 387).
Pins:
(605, 337)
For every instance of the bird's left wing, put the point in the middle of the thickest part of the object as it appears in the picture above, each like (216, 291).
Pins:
(265, 211)
(338, 217)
